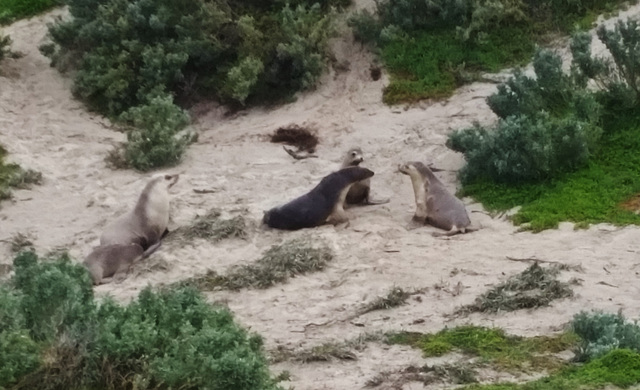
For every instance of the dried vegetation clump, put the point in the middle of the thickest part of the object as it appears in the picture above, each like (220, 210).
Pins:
(211, 227)
(534, 287)
(277, 265)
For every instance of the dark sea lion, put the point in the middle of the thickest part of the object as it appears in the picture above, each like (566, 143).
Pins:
(324, 203)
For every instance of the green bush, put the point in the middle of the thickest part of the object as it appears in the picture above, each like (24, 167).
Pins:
(523, 148)
(548, 125)
(601, 333)
(11, 10)
(153, 140)
(469, 18)
(551, 90)
(162, 340)
(18, 352)
(128, 52)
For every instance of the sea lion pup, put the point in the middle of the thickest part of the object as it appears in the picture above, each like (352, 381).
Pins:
(324, 203)
(359, 193)
(147, 223)
(435, 205)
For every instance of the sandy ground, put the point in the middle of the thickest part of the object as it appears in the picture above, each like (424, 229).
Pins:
(45, 129)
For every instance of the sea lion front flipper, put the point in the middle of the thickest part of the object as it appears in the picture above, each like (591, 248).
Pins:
(166, 231)
(416, 222)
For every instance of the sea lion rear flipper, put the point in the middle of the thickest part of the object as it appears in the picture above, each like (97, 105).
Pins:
(371, 202)
(150, 250)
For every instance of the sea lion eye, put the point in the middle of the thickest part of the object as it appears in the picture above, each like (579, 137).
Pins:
(353, 154)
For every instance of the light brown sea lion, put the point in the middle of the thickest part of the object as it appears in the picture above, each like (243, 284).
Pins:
(360, 192)
(107, 261)
(147, 223)
(324, 203)
(435, 205)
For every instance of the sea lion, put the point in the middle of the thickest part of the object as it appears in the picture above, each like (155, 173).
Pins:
(324, 203)
(115, 260)
(359, 193)
(435, 205)
(106, 261)
(147, 223)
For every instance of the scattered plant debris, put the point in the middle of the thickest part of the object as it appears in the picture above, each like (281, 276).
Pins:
(394, 298)
(328, 351)
(534, 287)
(452, 373)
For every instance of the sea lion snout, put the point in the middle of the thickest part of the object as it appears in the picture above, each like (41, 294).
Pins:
(171, 179)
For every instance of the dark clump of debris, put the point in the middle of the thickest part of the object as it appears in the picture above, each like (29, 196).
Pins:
(294, 135)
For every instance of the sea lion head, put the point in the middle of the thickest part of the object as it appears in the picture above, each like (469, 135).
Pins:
(353, 157)
(168, 179)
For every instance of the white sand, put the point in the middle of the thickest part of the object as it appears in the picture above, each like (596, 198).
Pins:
(45, 129)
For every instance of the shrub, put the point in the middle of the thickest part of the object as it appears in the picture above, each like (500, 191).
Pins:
(601, 333)
(11, 10)
(128, 52)
(298, 60)
(153, 140)
(549, 125)
(18, 352)
(551, 90)
(471, 19)
(521, 149)
(168, 339)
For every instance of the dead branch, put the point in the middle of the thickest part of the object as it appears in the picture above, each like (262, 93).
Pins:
(298, 156)
(532, 259)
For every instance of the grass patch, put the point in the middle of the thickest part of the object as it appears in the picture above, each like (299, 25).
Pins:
(394, 298)
(13, 176)
(277, 265)
(492, 346)
(11, 10)
(620, 368)
(590, 195)
(432, 64)
(212, 228)
(533, 287)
